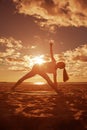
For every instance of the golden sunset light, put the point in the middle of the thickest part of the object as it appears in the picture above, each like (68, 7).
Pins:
(24, 41)
(43, 64)
(38, 60)
(39, 83)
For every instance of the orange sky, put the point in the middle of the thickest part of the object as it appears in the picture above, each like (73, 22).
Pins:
(26, 27)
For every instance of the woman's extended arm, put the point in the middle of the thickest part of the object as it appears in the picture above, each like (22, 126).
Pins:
(51, 52)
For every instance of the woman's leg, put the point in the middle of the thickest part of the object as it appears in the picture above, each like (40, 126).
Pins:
(46, 77)
(28, 75)
(55, 78)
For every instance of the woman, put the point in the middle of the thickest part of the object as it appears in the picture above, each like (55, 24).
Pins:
(43, 69)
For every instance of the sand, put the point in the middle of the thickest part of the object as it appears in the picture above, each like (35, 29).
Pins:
(38, 107)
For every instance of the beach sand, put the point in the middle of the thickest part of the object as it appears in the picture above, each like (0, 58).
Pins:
(39, 107)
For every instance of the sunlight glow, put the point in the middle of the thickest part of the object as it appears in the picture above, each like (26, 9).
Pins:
(38, 60)
(39, 83)
(32, 60)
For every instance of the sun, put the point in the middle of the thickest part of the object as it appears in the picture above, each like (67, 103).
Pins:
(38, 60)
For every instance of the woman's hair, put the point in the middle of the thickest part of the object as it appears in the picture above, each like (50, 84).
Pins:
(60, 65)
(65, 75)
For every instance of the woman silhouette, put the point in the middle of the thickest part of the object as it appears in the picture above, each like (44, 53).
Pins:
(43, 69)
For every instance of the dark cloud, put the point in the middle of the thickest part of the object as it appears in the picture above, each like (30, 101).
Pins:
(55, 12)
(80, 58)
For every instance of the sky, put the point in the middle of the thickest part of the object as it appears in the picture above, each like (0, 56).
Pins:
(26, 28)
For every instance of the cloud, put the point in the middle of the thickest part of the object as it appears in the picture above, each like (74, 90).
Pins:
(76, 61)
(10, 42)
(81, 58)
(53, 13)
(15, 55)
(16, 68)
(10, 51)
(12, 55)
(78, 54)
(9, 47)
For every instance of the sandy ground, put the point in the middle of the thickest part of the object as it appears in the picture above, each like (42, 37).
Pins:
(38, 107)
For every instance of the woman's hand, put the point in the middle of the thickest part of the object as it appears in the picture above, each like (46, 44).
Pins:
(51, 43)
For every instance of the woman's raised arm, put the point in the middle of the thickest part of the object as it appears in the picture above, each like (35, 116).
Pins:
(51, 52)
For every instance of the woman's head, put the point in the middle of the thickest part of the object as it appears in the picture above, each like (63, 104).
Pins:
(60, 65)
